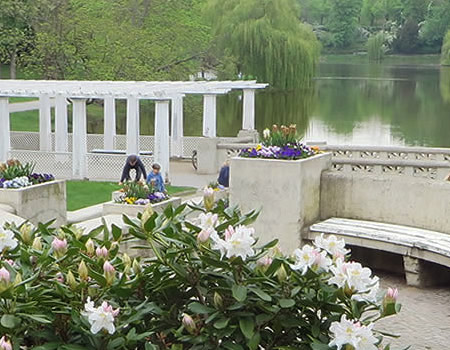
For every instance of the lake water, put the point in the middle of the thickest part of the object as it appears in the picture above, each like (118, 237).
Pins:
(403, 101)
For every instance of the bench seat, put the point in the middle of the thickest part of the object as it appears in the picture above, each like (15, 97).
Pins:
(414, 244)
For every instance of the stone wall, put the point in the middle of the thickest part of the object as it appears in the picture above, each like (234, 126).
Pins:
(394, 199)
(38, 203)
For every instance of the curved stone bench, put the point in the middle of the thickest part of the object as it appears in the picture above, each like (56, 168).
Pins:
(415, 245)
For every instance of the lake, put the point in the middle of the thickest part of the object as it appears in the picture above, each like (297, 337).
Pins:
(403, 101)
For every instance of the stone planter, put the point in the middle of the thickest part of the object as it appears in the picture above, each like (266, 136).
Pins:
(286, 191)
(112, 208)
(38, 203)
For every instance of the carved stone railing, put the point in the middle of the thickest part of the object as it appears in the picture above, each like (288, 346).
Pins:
(431, 163)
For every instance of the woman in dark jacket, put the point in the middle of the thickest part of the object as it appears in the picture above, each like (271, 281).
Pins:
(133, 162)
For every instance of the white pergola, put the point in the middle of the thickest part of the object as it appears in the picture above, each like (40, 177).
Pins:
(163, 93)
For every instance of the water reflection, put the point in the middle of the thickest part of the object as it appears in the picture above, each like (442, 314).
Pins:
(357, 102)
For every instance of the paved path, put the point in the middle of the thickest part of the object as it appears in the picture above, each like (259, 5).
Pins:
(424, 322)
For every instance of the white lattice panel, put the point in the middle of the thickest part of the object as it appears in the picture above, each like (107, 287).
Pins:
(106, 167)
(58, 164)
(25, 140)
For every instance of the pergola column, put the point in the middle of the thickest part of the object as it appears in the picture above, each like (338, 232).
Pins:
(79, 149)
(132, 125)
(61, 125)
(248, 118)
(162, 156)
(45, 123)
(5, 141)
(109, 122)
(177, 126)
(209, 115)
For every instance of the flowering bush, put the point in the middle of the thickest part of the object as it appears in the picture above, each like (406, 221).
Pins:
(13, 174)
(281, 143)
(140, 193)
(208, 286)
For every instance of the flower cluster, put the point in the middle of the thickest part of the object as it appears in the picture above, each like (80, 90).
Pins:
(347, 332)
(139, 193)
(101, 317)
(13, 174)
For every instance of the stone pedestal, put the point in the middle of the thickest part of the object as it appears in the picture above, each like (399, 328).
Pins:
(287, 192)
(207, 155)
(111, 208)
(38, 203)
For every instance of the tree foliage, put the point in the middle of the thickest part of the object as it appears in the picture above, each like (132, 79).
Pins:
(445, 58)
(344, 20)
(267, 39)
(375, 47)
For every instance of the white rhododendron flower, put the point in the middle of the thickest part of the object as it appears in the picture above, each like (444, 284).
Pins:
(101, 317)
(371, 295)
(347, 332)
(207, 221)
(309, 257)
(7, 240)
(334, 246)
(237, 242)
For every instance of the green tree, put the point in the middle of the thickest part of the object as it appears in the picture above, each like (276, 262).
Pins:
(344, 19)
(377, 12)
(15, 32)
(315, 11)
(445, 55)
(408, 37)
(436, 23)
(267, 39)
(416, 9)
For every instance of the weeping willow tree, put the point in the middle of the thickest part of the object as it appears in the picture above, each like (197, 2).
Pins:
(266, 39)
(375, 47)
(445, 58)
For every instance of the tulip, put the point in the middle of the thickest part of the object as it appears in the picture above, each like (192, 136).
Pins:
(218, 300)
(90, 247)
(5, 344)
(189, 323)
(25, 231)
(37, 243)
(59, 247)
(71, 280)
(208, 198)
(83, 271)
(109, 271)
(147, 214)
(101, 253)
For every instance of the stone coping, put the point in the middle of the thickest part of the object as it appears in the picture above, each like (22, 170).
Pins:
(296, 161)
(111, 208)
(22, 189)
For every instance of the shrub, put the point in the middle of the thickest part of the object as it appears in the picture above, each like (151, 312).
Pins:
(445, 55)
(376, 48)
(207, 287)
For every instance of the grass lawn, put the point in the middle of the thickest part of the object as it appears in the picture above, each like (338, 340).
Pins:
(82, 194)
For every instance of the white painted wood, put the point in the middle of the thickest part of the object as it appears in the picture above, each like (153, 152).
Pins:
(133, 125)
(396, 235)
(162, 156)
(61, 125)
(45, 123)
(177, 127)
(248, 118)
(79, 139)
(5, 141)
(109, 122)
(209, 115)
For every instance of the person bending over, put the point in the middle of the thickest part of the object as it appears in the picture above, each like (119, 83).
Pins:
(155, 179)
(224, 175)
(133, 162)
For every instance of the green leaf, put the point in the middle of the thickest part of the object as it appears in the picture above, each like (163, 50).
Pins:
(270, 244)
(116, 343)
(320, 346)
(239, 292)
(149, 346)
(260, 293)
(198, 308)
(247, 325)
(72, 347)
(37, 318)
(287, 303)
(9, 321)
(116, 232)
(48, 346)
(253, 344)
(222, 323)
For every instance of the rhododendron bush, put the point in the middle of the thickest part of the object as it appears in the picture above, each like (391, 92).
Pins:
(209, 285)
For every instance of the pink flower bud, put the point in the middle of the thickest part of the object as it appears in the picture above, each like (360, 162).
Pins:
(59, 247)
(229, 232)
(101, 252)
(392, 294)
(108, 308)
(204, 234)
(5, 344)
(5, 276)
(189, 323)
(109, 271)
(265, 261)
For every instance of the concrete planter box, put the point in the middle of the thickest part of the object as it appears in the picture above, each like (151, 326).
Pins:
(38, 203)
(286, 191)
(112, 208)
